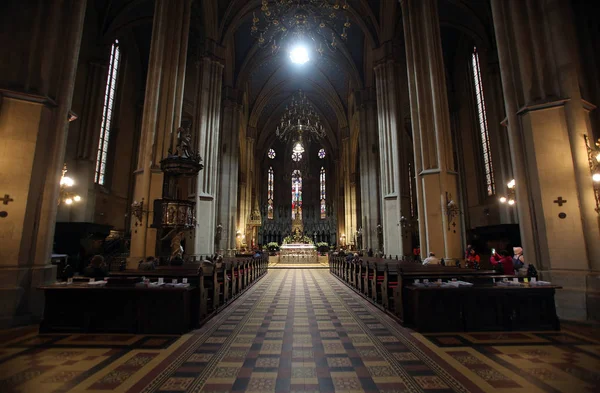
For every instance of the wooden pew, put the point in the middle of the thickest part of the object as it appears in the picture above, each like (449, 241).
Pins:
(389, 284)
(217, 282)
(121, 309)
(407, 274)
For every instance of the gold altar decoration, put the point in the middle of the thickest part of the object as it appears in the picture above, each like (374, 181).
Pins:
(297, 224)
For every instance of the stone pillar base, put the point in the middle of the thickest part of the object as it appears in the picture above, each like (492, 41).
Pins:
(22, 303)
(579, 300)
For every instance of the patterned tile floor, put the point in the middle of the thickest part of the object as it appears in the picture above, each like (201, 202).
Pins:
(300, 330)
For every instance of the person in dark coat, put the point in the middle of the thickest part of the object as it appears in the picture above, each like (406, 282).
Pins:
(97, 268)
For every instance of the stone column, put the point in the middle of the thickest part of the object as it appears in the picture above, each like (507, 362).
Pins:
(36, 91)
(547, 121)
(434, 164)
(162, 114)
(228, 171)
(369, 168)
(249, 170)
(390, 128)
(208, 123)
(349, 187)
(339, 196)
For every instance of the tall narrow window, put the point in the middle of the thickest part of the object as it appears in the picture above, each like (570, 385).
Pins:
(270, 194)
(483, 126)
(107, 113)
(410, 190)
(323, 195)
(296, 194)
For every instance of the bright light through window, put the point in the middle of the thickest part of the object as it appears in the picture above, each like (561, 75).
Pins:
(299, 55)
(107, 113)
(483, 126)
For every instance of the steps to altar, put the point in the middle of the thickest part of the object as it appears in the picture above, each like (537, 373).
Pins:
(323, 263)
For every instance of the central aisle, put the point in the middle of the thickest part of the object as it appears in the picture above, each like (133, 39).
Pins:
(302, 330)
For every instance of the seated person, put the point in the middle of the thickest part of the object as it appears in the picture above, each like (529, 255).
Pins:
(519, 261)
(97, 268)
(503, 262)
(431, 260)
(148, 264)
(176, 261)
(473, 259)
(67, 272)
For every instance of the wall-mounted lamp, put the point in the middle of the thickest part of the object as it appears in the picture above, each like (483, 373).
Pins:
(594, 162)
(137, 211)
(452, 210)
(510, 196)
(65, 196)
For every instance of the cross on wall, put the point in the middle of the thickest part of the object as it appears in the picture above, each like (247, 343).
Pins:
(6, 199)
(560, 201)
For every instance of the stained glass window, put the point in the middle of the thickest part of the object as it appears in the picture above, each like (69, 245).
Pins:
(107, 113)
(271, 154)
(322, 153)
(410, 190)
(483, 126)
(323, 194)
(270, 194)
(296, 193)
(296, 156)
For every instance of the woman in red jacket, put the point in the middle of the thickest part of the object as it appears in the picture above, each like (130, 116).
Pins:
(473, 259)
(505, 260)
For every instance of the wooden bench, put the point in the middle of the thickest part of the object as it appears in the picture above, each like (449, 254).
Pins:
(80, 307)
(407, 274)
(217, 282)
(483, 308)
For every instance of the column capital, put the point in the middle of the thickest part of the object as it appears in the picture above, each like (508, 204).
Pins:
(365, 97)
(251, 134)
(212, 50)
(206, 57)
(233, 98)
(352, 178)
(388, 51)
(345, 132)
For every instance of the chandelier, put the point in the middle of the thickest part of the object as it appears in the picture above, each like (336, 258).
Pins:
(65, 196)
(301, 21)
(300, 117)
(510, 196)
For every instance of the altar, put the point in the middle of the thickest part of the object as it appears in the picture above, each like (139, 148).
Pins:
(298, 249)
(298, 254)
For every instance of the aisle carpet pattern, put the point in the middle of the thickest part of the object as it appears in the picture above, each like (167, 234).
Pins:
(300, 330)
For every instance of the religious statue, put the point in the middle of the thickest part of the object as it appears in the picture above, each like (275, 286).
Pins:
(176, 247)
(184, 148)
(218, 234)
(380, 236)
(297, 236)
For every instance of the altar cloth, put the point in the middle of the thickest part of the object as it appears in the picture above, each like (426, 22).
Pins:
(296, 253)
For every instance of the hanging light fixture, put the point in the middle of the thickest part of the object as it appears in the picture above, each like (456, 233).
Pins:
(510, 197)
(300, 117)
(65, 196)
(300, 23)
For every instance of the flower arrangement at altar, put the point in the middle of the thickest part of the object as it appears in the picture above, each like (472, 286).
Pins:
(273, 246)
(297, 239)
